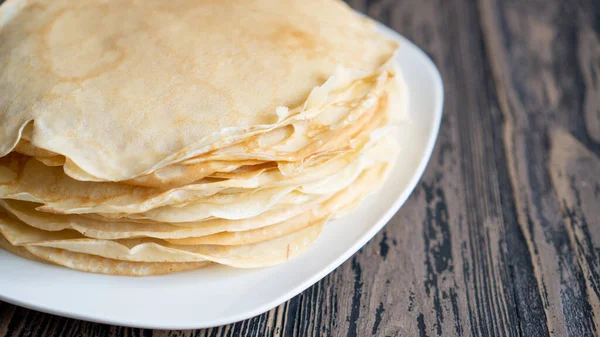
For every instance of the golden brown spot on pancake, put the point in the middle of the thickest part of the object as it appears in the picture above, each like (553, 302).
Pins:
(26, 148)
(182, 121)
(70, 60)
(34, 7)
(296, 40)
(6, 175)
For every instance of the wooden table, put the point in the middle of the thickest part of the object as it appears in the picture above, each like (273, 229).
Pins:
(502, 235)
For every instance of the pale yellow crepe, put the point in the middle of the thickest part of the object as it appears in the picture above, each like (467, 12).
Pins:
(17, 250)
(309, 138)
(177, 175)
(278, 243)
(110, 229)
(258, 255)
(124, 88)
(52, 161)
(100, 265)
(244, 172)
(25, 147)
(149, 137)
(312, 137)
(254, 202)
(181, 175)
(338, 204)
(325, 132)
(27, 179)
(218, 231)
(151, 250)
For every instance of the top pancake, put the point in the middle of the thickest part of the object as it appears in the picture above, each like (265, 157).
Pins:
(123, 88)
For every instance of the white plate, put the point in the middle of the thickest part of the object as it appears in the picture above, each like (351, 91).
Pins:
(219, 295)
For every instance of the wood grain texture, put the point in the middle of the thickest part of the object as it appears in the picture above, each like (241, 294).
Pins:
(502, 235)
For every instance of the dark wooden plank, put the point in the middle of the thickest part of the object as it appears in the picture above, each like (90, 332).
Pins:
(545, 59)
(502, 235)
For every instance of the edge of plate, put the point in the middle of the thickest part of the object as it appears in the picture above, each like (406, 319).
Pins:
(381, 222)
(385, 218)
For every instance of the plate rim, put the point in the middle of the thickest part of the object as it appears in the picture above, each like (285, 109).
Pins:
(377, 226)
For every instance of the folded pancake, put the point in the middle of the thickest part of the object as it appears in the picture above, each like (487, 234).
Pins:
(256, 249)
(293, 144)
(215, 231)
(112, 229)
(100, 265)
(96, 264)
(135, 89)
(24, 178)
(151, 250)
(17, 250)
(254, 202)
(149, 137)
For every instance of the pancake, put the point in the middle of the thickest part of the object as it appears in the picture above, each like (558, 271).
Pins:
(150, 137)
(189, 233)
(27, 179)
(82, 81)
(114, 253)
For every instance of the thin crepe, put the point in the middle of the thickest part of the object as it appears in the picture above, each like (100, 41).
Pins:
(27, 179)
(134, 250)
(269, 63)
(216, 231)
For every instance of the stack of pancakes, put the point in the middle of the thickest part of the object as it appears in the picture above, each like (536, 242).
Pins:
(149, 137)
